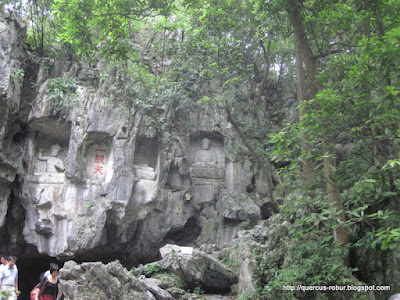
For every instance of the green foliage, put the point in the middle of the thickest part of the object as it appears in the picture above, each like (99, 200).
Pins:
(153, 268)
(198, 290)
(61, 89)
(389, 238)
(170, 279)
(374, 194)
(234, 55)
(42, 28)
(310, 255)
(244, 296)
(105, 26)
(355, 116)
(17, 73)
(315, 261)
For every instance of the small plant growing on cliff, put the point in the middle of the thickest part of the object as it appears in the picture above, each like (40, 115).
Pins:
(225, 258)
(170, 279)
(244, 296)
(17, 73)
(153, 268)
(198, 290)
(62, 89)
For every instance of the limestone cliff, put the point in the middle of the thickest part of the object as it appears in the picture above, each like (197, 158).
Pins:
(87, 177)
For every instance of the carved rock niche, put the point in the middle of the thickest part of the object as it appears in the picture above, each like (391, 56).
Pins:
(99, 161)
(49, 151)
(206, 156)
(145, 168)
(46, 175)
(146, 159)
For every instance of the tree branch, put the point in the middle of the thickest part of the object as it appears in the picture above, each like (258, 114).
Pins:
(265, 167)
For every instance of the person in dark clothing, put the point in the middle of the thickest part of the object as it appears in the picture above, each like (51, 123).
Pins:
(47, 273)
(48, 286)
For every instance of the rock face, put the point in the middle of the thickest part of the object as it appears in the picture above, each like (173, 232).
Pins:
(12, 64)
(198, 269)
(99, 281)
(112, 281)
(93, 179)
(238, 207)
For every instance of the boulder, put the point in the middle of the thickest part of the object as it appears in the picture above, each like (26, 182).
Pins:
(95, 280)
(238, 207)
(153, 286)
(198, 269)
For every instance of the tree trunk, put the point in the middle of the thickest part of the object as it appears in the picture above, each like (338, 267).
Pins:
(340, 232)
(307, 88)
(305, 77)
(264, 166)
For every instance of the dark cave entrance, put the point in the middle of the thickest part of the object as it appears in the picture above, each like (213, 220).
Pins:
(186, 235)
(29, 270)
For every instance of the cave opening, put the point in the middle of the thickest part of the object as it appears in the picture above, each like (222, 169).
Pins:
(30, 269)
(186, 235)
(30, 263)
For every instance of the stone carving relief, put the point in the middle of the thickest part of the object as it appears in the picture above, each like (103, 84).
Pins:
(205, 155)
(45, 181)
(47, 196)
(48, 179)
(48, 163)
(178, 173)
(208, 166)
(48, 145)
(53, 164)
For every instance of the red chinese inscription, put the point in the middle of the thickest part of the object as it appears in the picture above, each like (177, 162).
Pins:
(98, 169)
(99, 159)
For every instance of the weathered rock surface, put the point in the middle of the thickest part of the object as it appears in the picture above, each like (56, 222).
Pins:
(87, 178)
(198, 269)
(98, 281)
(153, 286)
(96, 179)
(241, 256)
(238, 207)
(12, 64)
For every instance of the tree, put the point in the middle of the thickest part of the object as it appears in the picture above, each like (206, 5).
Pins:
(236, 54)
(307, 89)
(105, 26)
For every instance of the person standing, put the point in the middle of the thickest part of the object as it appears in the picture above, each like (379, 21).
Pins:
(3, 261)
(47, 273)
(9, 278)
(48, 286)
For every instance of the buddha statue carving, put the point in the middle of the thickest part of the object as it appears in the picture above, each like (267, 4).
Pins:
(205, 156)
(53, 163)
